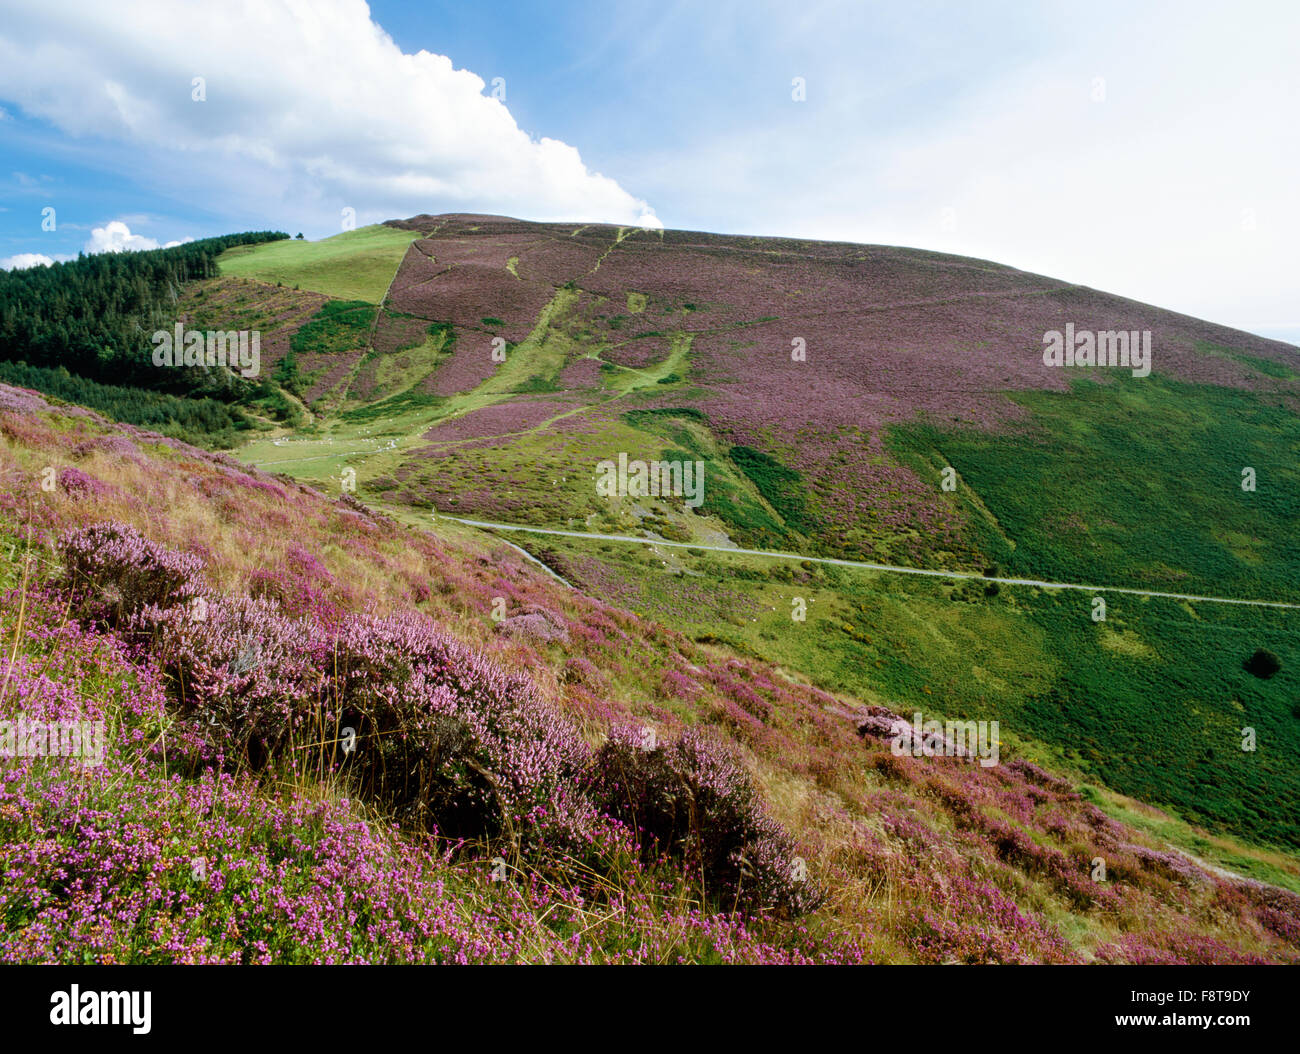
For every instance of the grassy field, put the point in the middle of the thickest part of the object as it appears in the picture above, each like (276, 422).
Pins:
(1150, 702)
(1132, 484)
(355, 265)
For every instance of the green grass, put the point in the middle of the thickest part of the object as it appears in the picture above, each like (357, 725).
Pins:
(401, 403)
(1138, 483)
(355, 265)
(729, 494)
(1150, 702)
(339, 326)
(1135, 483)
(781, 487)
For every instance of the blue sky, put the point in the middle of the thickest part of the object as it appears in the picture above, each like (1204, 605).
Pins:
(1147, 149)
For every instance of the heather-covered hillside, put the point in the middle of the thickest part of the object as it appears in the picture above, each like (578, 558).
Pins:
(883, 334)
(877, 403)
(337, 735)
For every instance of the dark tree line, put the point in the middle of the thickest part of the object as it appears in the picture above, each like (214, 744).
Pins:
(94, 316)
(204, 421)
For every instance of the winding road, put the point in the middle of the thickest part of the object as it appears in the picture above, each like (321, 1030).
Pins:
(489, 525)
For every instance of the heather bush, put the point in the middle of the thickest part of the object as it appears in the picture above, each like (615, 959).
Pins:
(1031, 773)
(447, 738)
(578, 670)
(1168, 865)
(117, 571)
(76, 484)
(417, 722)
(295, 593)
(969, 921)
(677, 685)
(1175, 949)
(1276, 910)
(117, 446)
(243, 673)
(693, 800)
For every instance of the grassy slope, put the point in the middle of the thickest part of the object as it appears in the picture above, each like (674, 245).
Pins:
(879, 831)
(355, 265)
(1093, 698)
(1140, 484)
(1135, 510)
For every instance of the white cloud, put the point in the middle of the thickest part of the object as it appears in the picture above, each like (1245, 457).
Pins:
(24, 260)
(116, 237)
(1174, 184)
(314, 103)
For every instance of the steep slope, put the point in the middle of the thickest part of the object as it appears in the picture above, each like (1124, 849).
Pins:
(880, 404)
(229, 822)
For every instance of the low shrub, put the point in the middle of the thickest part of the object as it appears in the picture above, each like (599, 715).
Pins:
(117, 572)
(692, 800)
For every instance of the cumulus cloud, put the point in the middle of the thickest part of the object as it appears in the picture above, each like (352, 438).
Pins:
(24, 260)
(116, 237)
(316, 99)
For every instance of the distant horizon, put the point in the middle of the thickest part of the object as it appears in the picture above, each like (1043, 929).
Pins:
(1284, 333)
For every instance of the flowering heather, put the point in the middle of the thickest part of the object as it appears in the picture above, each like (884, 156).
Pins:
(892, 336)
(1000, 933)
(109, 446)
(123, 571)
(21, 399)
(679, 685)
(498, 420)
(78, 485)
(1174, 950)
(473, 748)
(465, 293)
(244, 673)
(263, 743)
(212, 871)
(693, 800)
(536, 624)
(581, 373)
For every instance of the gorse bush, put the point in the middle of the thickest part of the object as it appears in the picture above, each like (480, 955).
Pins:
(692, 800)
(1263, 664)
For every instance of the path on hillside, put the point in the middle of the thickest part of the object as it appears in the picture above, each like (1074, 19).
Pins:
(872, 567)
